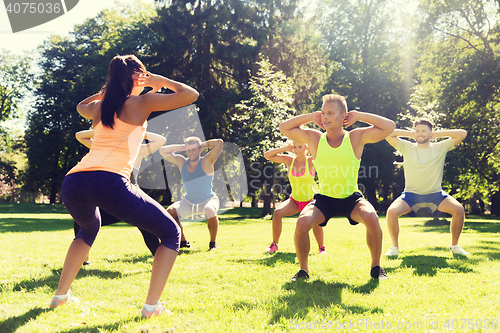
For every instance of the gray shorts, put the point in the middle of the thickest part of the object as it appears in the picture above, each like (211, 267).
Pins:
(186, 209)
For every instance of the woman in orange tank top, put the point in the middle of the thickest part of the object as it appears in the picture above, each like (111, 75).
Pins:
(102, 178)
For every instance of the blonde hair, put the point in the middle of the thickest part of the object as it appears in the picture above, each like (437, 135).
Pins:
(337, 99)
(192, 140)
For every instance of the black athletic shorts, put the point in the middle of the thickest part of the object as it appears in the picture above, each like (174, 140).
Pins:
(333, 207)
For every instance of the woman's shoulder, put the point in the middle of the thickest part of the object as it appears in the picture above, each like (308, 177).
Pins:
(133, 111)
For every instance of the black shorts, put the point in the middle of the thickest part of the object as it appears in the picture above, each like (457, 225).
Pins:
(333, 207)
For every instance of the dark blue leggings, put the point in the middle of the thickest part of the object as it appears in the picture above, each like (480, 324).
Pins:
(151, 240)
(84, 192)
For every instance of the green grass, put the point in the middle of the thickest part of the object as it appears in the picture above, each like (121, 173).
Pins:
(238, 288)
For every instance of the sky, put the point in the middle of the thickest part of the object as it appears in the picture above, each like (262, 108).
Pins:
(29, 39)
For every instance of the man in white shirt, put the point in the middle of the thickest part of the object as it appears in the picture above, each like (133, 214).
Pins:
(423, 164)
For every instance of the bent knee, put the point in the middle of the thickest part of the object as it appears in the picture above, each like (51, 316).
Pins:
(303, 224)
(393, 212)
(458, 210)
(279, 212)
(370, 219)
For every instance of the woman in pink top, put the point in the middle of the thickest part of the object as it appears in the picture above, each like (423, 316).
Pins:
(102, 177)
(301, 175)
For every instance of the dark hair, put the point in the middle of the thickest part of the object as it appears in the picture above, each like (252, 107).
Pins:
(118, 87)
(422, 121)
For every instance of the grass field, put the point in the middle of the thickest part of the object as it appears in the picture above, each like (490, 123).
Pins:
(239, 288)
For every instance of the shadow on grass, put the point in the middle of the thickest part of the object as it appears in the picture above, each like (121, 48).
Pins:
(489, 249)
(10, 325)
(53, 279)
(429, 265)
(307, 296)
(271, 260)
(120, 326)
(131, 258)
(482, 225)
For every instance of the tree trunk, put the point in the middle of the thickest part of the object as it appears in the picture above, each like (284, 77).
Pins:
(268, 194)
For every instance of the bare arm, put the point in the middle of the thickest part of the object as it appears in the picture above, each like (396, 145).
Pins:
(183, 94)
(292, 129)
(393, 138)
(381, 127)
(85, 137)
(458, 135)
(86, 107)
(168, 153)
(276, 155)
(155, 143)
(215, 146)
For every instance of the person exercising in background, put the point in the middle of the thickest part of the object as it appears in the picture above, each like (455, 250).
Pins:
(155, 141)
(423, 164)
(337, 157)
(301, 176)
(197, 174)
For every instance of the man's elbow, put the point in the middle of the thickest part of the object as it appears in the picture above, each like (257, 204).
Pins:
(282, 128)
(463, 134)
(193, 95)
(391, 126)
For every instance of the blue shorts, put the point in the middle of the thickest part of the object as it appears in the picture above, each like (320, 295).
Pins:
(426, 202)
(83, 193)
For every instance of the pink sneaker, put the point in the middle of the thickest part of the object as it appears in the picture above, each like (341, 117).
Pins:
(59, 300)
(55, 303)
(158, 310)
(322, 249)
(272, 248)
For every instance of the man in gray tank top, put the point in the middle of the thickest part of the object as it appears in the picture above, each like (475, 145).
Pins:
(197, 175)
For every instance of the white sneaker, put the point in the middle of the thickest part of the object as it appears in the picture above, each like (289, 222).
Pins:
(456, 249)
(393, 251)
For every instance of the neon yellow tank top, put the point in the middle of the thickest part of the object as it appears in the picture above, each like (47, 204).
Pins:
(337, 168)
(302, 186)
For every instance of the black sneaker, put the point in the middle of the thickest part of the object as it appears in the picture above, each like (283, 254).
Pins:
(300, 275)
(212, 246)
(185, 244)
(378, 273)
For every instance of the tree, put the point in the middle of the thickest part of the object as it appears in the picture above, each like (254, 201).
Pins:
(270, 104)
(73, 68)
(210, 45)
(15, 83)
(367, 67)
(294, 47)
(459, 72)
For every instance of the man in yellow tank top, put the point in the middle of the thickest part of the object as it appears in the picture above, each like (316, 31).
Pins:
(337, 155)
